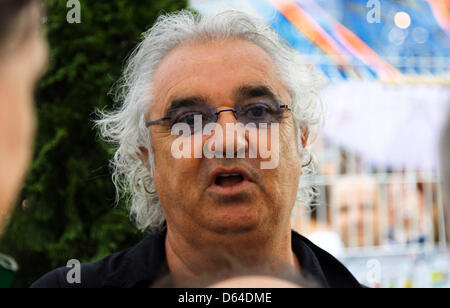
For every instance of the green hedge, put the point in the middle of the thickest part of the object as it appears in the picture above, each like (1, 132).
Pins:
(69, 195)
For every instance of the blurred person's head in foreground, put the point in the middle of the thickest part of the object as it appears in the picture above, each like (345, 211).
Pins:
(354, 210)
(255, 281)
(23, 57)
(194, 174)
(445, 170)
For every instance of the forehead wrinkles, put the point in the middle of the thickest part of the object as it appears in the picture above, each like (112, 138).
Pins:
(213, 68)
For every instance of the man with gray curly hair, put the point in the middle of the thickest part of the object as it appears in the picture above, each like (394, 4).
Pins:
(198, 99)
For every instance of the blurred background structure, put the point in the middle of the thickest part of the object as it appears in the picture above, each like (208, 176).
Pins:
(380, 207)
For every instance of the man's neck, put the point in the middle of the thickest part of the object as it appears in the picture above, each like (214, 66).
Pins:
(189, 258)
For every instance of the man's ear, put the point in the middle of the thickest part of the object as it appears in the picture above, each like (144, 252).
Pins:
(305, 135)
(143, 156)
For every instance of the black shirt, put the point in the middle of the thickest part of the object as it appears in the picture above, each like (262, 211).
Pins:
(140, 265)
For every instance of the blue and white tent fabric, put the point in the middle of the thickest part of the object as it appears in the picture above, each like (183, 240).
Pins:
(377, 39)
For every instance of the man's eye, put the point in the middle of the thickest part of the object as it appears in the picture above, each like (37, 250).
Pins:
(189, 119)
(258, 111)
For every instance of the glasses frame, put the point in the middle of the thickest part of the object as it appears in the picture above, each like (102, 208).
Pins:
(216, 114)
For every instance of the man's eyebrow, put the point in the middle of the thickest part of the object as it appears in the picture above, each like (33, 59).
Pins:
(248, 91)
(186, 102)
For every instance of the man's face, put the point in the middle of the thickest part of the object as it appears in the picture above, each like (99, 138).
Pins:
(194, 195)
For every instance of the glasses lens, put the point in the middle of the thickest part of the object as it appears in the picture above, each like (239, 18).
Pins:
(192, 115)
(260, 111)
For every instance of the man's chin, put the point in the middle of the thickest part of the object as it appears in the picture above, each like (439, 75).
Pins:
(234, 229)
(233, 225)
(240, 216)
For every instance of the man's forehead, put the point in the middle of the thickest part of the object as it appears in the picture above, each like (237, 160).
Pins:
(218, 51)
(214, 69)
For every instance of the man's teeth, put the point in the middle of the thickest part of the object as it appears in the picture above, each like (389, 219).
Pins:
(228, 175)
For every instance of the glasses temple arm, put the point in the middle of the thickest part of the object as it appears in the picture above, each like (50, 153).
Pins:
(148, 124)
(285, 107)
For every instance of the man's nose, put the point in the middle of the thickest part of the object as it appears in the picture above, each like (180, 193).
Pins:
(233, 140)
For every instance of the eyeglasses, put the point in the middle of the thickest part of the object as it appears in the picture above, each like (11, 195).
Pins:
(258, 111)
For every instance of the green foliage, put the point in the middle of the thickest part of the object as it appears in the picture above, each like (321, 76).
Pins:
(70, 210)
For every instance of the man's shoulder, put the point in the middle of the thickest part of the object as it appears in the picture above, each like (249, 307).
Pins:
(113, 271)
(89, 275)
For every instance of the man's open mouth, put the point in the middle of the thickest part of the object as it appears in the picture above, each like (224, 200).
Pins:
(227, 180)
